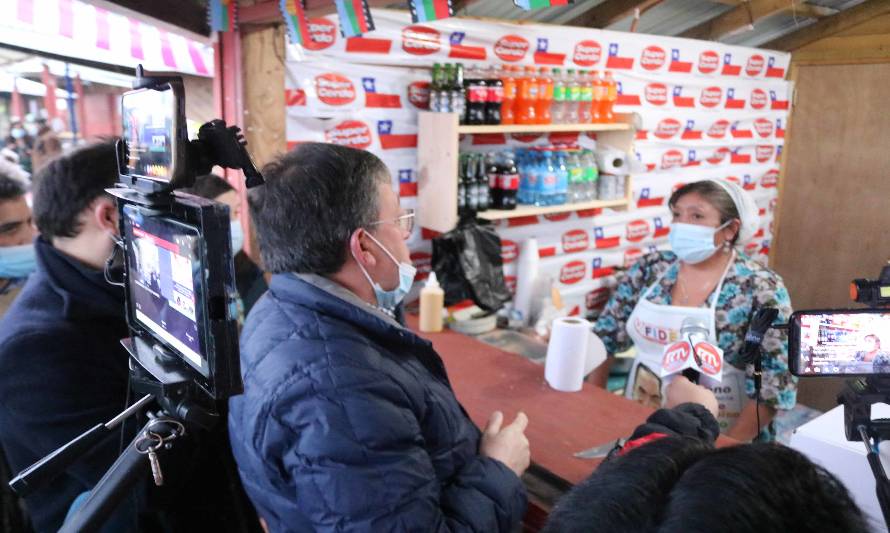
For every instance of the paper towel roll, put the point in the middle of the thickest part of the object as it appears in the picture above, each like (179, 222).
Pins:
(526, 278)
(573, 352)
(612, 161)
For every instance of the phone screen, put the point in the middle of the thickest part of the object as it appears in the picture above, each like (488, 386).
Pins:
(149, 126)
(827, 343)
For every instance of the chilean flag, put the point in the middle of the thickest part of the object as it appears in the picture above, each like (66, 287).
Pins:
(549, 251)
(461, 51)
(780, 130)
(690, 133)
(365, 45)
(522, 221)
(748, 183)
(391, 141)
(375, 99)
(680, 100)
(732, 102)
(616, 61)
(481, 139)
(660, 229)
(626, 99)
(728, 68)
(777, 104)
(647, 200)
(677, 65)
(407, 183)
(691, 161)
(642, 135)
(772, 71)
(738, 133)
(738, 158)
(605, 242)
(598, 270)
(543, 57)
(588, 213)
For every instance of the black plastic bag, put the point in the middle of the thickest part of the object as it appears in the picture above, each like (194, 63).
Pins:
(467, 261)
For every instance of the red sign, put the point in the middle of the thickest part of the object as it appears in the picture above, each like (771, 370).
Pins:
(572, 272)
(420, 40)
(557, 217)
(759, 99)
(711, 96)
(322, 34)
(509, 251)
(419, 94)
(763, 127)
(511, 48)
(587, 53)
(718, 129)
(754, 65)
(770, 180)
(423, 262)
(667, 128)
(764, 153)
(656, 93)
(334, 89)
(653, 58)
(708, 62)
(671, 159)
(576, 240)
(676, 356)
(711, 360)
(525, 137)
(637, 230)
(352, 133)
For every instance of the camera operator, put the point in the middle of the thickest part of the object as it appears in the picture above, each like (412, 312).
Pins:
(348, 420)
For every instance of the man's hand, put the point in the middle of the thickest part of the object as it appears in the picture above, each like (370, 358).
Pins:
(681, 390)
(508, 445)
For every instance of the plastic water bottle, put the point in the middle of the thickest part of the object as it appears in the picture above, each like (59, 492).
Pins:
(591, 176)
(547, 180)
(576, 177)
(573, 100)
(585, 113)
(528, 178)
(562, 179)
(558, 107)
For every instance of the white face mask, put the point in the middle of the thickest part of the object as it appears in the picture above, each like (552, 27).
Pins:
(693, 243)
(390, 299)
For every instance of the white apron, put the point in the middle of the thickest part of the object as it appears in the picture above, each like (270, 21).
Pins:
(651, 326)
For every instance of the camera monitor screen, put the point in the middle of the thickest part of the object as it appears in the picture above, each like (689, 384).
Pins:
(166, 283)
(840, 342)
(149, 125)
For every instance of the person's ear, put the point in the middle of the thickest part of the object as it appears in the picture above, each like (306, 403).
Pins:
(106, 216)
(729, 232)
(359, 246)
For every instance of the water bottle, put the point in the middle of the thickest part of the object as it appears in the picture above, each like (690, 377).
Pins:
(573, 97)
(558, 108)
(562, 179)
(576, 178)
(585, 111)
(547, 180)
(528, 183)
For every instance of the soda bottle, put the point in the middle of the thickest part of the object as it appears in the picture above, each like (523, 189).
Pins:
(611, 97)
(495, 100)
(562, 179)
(545, 97)
(435, 87)
(462, 186)
(558, 108)
(483, 194)
(573, 90)
(585, 114)
(576, 177)
(492, 172)
(508, 78)
(477, 94)
(527, 97)
(457, 94)
(470, 186)
(445, 77)
(508, 185)
(591, 176)
(599, 94)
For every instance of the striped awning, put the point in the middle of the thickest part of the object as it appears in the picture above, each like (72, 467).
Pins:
(76, 29)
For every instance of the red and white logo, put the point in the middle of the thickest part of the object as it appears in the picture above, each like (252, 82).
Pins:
(770, 180)
(420, 40)
(576, 240)
(759, 99)
(675, 356)
(423, 262)
(509, 251)
(656, 93)
(764, 152)
(708, 62)
(631, 255)
(719, 155)
(597, 298)
(334, 89)
(419, 94)
(763, 127)
(322, 34)
(653, 58)
(671, 159)
(572, 272)
(667, 128)
(718, 129)
(510, 281)
(711, 360)
(637, 230)
(511, 48)
(587, 53)
(754, 65)
(352, 133)
(711, 96)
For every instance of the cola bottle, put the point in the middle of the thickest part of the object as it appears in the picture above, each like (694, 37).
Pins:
(462, 186)
(477, 96)
(495, 98)
(472, 191)
(508, 183)
(483, 194)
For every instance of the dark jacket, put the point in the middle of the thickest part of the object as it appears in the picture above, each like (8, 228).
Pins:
(63, 371)
(348, 423)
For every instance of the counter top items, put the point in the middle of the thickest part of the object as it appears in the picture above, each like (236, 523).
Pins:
(573, 352)
(526, 279)
(471, 320)
(432, 303)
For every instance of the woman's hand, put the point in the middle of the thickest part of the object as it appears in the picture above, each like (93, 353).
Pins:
(681, 390)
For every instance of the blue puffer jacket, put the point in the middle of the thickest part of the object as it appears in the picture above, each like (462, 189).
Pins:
(348, 423)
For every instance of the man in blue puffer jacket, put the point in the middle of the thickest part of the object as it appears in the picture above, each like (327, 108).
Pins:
(348, 421)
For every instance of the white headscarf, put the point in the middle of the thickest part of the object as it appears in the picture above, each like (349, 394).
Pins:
(749, 213)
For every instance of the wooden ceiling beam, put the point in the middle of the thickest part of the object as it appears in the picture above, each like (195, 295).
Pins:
(609, 12)
(740, 17)
(829, 26)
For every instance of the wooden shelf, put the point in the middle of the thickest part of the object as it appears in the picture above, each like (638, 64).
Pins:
(532, 210)
(544, 128)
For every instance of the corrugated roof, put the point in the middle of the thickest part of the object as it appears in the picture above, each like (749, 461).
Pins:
(673, 17)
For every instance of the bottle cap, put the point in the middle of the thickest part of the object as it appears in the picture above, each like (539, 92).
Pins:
(432, 281)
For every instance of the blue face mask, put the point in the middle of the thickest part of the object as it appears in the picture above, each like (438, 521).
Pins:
(693, 243)
(17, 261)
(388, 300)
(237, 236)
(17, 133)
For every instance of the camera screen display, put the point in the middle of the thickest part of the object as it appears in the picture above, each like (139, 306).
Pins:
(165, 282)
(831, 343)
(149, 126)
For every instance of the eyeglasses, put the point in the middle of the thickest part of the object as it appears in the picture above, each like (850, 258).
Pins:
(405, 222)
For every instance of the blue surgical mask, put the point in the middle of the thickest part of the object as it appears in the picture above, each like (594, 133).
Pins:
(388, 300)
(237, 236)
(17, 261)
(693, 243)
(17, 133)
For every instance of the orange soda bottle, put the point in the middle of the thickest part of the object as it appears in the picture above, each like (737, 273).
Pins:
(545, 97)
(508, 115)
(527, 97)
(600, 94)
(611, 97)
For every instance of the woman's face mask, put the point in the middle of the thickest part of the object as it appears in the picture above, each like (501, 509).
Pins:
(694, 243)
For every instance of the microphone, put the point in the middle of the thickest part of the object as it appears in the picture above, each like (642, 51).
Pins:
(693, 354)
(694, 331)
(761, 320)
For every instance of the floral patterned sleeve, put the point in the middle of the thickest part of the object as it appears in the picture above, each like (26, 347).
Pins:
(778, 386)
(610, 326)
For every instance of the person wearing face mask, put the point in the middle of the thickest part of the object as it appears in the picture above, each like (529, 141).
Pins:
(707, 278)
(17, 258)
(249, 278)
(348, 421)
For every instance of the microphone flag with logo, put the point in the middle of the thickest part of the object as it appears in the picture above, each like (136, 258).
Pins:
(693, 351)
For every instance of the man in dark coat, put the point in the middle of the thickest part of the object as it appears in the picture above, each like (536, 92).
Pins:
(348, 421)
